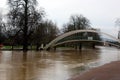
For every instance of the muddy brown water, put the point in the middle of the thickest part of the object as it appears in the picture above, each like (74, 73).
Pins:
(53, 65)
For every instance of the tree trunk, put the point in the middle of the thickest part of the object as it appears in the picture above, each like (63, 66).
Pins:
(80, 46)
(25, 30)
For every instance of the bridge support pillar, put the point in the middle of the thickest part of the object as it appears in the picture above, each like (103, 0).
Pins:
(80, 46)
(93, 46)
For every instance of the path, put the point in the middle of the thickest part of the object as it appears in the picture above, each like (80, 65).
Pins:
(109, 71)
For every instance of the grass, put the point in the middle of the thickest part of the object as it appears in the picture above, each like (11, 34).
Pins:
(17, 47)
(6, 47)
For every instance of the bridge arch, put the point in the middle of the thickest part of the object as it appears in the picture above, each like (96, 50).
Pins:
(112, 44)
(53, 42)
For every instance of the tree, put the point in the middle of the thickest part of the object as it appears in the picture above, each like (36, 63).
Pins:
(2, 29)
(76, 22)
(24, 17)
(44, 33)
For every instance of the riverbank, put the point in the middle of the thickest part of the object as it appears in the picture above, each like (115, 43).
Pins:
(109, 71)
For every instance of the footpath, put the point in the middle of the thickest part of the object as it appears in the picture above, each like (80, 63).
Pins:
(110, 71)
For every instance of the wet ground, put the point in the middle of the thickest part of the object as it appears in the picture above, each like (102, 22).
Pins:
(53, 65)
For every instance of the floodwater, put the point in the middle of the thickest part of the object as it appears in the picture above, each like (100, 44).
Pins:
(53, 65)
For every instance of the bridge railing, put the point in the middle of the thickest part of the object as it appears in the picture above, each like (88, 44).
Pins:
(78, 38)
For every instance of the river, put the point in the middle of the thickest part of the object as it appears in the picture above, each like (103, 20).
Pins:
(53, 65)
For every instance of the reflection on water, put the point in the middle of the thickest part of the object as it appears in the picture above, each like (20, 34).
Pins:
(59, 65)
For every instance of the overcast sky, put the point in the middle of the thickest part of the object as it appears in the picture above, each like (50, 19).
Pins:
(101, 13)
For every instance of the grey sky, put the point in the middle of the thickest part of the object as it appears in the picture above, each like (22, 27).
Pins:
(101, 13)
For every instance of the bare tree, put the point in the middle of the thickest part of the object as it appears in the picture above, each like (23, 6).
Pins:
(2, 28)
(24, 16)
(77, 22)
(46, 32)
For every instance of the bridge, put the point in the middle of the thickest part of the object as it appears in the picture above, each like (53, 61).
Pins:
(80, 36)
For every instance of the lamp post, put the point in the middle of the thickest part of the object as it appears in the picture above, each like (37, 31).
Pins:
(117, 23)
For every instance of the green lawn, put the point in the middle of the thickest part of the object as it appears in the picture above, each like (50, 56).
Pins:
(17, 47)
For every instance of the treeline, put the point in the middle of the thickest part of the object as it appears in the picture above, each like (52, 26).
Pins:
(26, 24)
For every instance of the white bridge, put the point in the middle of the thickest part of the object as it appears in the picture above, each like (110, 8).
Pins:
(55, 41)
